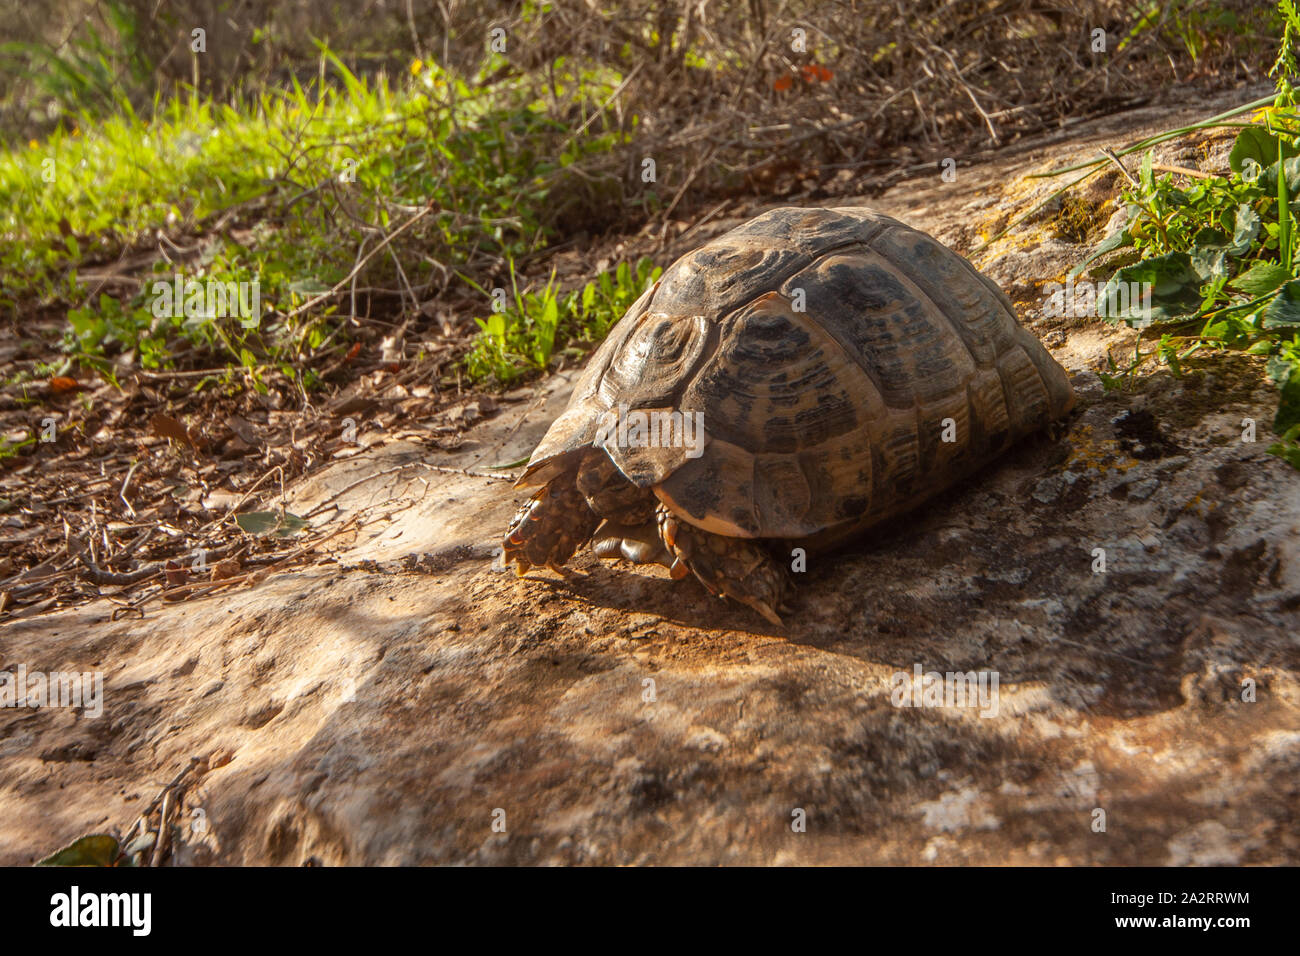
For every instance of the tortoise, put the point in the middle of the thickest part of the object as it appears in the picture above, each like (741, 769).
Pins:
(790, 384)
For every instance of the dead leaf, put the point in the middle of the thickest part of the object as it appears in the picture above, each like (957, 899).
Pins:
(61, 385)
(168, 427)
(236, 447)
(243, 428)
(176, 574)
(220, 498)
(355, 404)
(225, 568)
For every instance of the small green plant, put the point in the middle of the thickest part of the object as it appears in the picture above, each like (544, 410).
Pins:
(603, 302)
(523, 336)
(1197, 26)
(1119, 376)
(517, 337)
(1219, 256)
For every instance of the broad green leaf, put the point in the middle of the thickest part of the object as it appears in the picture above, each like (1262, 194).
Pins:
(1245, 229)
(1278, 369)
(1261, 279)
(258, 522)
(1288, 406)
(1209, 262)
(1284, 310)
(1173, 285)
(1211, 238)
(1268, 181)
(291, 524)
(270, 522)
(1253, 142)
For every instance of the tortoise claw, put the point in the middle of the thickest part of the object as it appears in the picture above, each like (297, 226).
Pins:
(549, 527)
(764, 610)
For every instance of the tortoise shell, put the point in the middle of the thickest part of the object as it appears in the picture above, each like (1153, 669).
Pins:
(845, 367)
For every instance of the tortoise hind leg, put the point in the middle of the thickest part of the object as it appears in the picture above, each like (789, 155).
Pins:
(731, 567)
(550, 526)
(565, 513)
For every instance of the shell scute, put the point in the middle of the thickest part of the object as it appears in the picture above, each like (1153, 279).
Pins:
(977, 314)
(829, 353)
(885, 325)
(776, 382)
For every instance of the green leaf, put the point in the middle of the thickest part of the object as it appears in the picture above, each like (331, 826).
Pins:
(1261, 279)
(1278, 369)
(1112, 242)
(1245, 228)
(258, 522)
(1268, 181)
(1210, 238)
(1209, 262)
(1145, 174)
(1288, 406)
(1173, 284)
(270, 522)
(1253, 142)
(1288, 453)
(1284, 310)
(99, 849)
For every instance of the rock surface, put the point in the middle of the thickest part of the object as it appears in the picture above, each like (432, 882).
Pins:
(416, 704)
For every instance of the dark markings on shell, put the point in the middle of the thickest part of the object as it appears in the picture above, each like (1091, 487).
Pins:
(893, 335)
(979, 316)
(823, 421)
(755, 388)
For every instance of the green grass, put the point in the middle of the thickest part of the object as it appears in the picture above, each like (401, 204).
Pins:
(312, 174)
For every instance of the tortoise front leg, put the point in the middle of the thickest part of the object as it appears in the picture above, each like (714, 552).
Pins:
(549, 527)
(730, 567)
